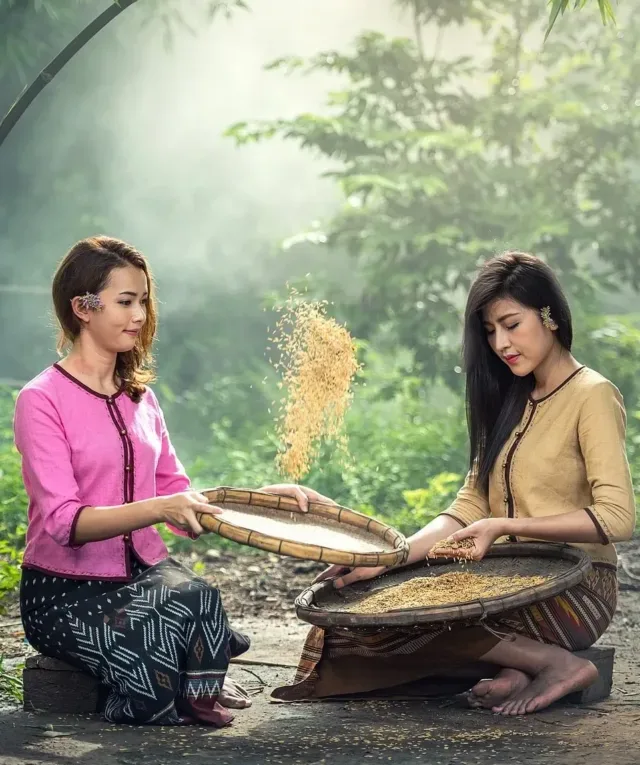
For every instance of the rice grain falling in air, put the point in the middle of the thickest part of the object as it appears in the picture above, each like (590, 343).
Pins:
(318, 364)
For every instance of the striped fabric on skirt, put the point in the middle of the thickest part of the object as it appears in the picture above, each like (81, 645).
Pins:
(356, 660)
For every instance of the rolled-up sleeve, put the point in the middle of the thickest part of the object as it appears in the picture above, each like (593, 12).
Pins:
(470, 504)
(46, 465)
(601, 433)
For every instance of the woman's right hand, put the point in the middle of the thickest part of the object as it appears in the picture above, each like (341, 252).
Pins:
(180, 510)
(344, 575)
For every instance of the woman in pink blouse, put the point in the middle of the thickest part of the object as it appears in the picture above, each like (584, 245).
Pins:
(98, 588)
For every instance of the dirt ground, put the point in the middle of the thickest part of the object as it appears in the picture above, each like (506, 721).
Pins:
(258, 592)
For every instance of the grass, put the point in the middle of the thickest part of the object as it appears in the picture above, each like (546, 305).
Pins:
(11, 682)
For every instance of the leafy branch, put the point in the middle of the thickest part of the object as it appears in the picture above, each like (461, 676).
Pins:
(559, 7)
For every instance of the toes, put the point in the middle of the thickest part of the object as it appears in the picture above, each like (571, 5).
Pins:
(533, 705)
(233, 687)
(482, 688)
(235, 702)
(508, 708)
(502, 705)
(514, 710)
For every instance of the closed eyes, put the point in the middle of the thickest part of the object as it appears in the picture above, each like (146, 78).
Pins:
(509, 327)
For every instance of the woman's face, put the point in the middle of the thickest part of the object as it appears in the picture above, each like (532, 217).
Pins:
(517, 335)
(116, 326)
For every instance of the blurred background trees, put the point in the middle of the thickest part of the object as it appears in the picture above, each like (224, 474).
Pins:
(373, 154)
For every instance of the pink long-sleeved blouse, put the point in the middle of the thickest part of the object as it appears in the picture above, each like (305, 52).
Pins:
(81, 448)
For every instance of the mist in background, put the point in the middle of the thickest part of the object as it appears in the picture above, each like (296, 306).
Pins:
(127, 141)
(516, 144)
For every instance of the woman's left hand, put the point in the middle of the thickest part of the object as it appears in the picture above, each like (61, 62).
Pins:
(483, 534)
(301, 493)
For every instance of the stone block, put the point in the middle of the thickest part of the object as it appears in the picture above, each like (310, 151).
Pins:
(55, 687)
(603, 657)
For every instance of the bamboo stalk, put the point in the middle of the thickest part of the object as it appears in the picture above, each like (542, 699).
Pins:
(26, 98)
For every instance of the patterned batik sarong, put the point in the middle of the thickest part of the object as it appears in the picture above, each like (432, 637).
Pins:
(160, 644)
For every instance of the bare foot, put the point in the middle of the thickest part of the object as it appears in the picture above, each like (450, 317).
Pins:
(488, 694)
(233, 695)
(565, 675)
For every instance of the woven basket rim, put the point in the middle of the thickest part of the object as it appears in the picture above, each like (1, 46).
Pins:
(308, 610)
(265, 502)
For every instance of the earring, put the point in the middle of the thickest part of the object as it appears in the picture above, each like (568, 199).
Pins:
(90, 302)
(548, 322)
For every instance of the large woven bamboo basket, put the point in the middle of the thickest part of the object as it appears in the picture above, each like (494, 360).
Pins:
(562, 565)
(327, 533)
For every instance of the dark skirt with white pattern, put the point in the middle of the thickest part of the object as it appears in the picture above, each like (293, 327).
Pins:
(160, 644)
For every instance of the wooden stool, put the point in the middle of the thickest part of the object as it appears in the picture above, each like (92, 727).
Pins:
(55, 687)
(603, 658)
(52, 686)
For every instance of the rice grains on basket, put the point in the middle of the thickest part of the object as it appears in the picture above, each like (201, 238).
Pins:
(462, 549)
(445, 589)
(318, 364)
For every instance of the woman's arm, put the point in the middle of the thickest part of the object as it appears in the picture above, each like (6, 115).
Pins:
(602, 437)
(178, 510)
(48, 470)
(435, 531)
(171, 477)
(419, 545)
(575, 526)
(611, 515)
(97, 523)
(469, 505)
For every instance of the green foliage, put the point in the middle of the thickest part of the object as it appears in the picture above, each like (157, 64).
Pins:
(461, 11)
(442, 162)
(10, 560)
(13, 500)
(11, 682)
(22, 52)
(423, 505)
(611, 344)
(559, 7)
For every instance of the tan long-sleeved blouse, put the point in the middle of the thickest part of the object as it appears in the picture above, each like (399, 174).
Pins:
(568, 452)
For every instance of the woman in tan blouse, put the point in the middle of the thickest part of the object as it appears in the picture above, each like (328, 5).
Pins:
(548, 462)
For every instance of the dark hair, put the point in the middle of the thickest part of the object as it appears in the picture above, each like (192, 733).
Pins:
(87, 268)
(495, 397)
